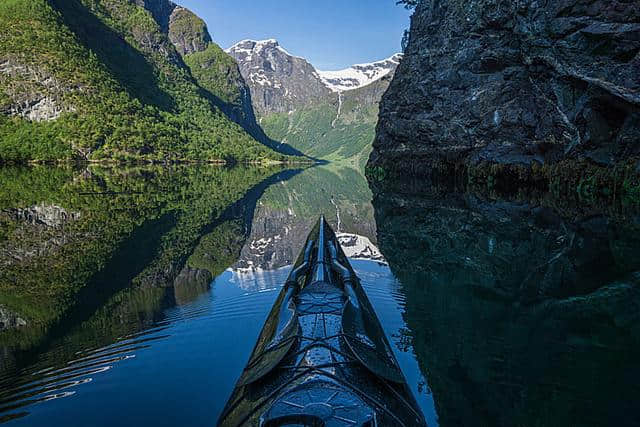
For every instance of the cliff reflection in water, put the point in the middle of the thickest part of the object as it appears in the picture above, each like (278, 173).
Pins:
(101, 265)
(287, 211)
(517, 315)
(92, 257)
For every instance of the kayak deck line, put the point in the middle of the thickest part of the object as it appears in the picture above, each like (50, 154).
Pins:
(322, 358)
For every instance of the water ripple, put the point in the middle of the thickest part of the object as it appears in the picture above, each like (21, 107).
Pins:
(61, 370)
(37, 384)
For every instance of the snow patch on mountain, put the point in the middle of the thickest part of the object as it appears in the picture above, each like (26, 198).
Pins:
(359, 75)
(283, 83)
(279, 81)
(256, 47)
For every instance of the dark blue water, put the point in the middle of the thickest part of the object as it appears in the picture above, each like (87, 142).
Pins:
(183, 367)
(138, 295)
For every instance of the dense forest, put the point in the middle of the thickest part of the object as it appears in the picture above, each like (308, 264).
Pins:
(100, 79)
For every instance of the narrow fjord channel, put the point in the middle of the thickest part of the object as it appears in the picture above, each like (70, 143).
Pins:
(332, 213)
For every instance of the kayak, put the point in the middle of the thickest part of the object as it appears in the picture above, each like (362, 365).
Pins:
(322, 358)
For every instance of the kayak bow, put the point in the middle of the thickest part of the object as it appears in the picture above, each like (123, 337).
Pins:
(322, 358)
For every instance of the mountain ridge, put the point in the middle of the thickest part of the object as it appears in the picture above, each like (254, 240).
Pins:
(296, 106)
(359, 75)
(279, 81)
(352, 77)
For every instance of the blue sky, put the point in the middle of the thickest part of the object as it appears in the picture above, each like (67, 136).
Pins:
(331, 34)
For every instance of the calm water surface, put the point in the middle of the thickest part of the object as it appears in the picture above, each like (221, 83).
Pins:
(144, 290)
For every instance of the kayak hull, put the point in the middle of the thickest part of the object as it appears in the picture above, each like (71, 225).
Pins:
(322, 358)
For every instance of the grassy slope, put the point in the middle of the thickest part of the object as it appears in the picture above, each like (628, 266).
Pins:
(130, 98)
(211, 67)
(216, 71)
(316, 132)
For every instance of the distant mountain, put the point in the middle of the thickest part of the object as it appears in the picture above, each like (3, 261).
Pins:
(279, 81)
(359, 75)
(118, 79)
(328, 115)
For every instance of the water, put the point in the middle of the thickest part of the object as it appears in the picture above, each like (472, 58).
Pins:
(144, 291)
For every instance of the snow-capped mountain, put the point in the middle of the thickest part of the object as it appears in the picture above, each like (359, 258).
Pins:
(324, 115)
(279, 81)
(359, 75)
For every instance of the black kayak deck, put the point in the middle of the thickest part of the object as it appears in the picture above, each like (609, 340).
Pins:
(322, 358)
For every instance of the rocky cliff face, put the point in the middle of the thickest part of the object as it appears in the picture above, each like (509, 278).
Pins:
(160, 9)
(187, 32)
(514, 83)
(35, 94)
(279, 81)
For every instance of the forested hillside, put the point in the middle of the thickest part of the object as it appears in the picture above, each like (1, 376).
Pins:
(101, 79)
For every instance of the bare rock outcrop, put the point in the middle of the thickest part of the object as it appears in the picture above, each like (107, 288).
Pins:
(10, 320)
(32, 92)
(187, 32)
(279, 82)
(514, 83)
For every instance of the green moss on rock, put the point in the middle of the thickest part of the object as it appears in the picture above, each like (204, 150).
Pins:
(188, 32)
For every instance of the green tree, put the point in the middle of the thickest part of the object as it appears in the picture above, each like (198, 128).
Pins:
(408, 4)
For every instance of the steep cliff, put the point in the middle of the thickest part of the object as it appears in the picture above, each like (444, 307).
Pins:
(215, 71)
(187, 32)
(279, 81)
(522, 85)
(106, 79)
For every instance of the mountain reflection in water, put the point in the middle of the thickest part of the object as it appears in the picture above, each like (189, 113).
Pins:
(145, 289)
(137, 251)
